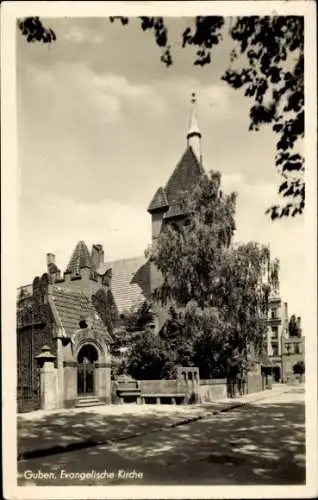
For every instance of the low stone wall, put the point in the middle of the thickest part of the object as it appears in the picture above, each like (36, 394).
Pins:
(171, 391)
(212, 390)
(160, 387)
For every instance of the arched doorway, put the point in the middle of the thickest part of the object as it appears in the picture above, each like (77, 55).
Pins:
(276, 373)
(86, 370)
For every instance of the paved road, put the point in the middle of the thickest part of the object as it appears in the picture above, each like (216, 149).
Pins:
(263, 443)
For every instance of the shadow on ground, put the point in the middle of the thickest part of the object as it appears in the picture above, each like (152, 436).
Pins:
(257, 444)
(56, 430)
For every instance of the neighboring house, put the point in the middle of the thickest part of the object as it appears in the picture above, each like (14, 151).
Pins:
(282, 350)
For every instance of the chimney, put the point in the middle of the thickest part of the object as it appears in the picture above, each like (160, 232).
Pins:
(52, 268)
(85, 273)
(50, 258)
(97, 256)
(67, 277)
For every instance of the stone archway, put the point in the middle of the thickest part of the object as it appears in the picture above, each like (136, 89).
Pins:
(86, 370)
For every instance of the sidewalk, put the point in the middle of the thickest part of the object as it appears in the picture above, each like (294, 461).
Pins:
(45, 433)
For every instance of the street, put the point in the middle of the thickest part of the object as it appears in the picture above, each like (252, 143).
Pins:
(261, 443)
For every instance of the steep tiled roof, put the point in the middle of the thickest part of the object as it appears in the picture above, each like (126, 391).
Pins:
(130, 282)
(183, 179)
(184, 176)
(158, 201)
(71, 306)
(80, 258)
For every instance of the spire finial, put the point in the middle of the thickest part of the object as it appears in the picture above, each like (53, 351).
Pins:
(194, 135)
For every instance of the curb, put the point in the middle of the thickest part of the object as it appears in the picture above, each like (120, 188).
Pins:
(90, 443)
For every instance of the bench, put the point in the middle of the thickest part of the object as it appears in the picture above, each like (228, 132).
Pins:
(159, 396)
(129, 390)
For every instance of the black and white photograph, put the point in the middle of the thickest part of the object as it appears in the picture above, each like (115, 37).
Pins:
(159, 249)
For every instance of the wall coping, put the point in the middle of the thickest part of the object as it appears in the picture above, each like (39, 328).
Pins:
(213, 381)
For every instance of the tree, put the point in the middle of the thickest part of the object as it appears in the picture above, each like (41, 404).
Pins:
(130, 328)
(299, 368)
(269, 53)
(136, 318)
(147, 357)
(219, 291)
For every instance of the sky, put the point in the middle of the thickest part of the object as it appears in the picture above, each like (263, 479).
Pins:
(101, 125)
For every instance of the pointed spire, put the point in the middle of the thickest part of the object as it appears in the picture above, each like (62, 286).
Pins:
(80, 259)
(194, 134)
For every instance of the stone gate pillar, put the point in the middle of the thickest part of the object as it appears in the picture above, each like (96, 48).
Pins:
(48, 379)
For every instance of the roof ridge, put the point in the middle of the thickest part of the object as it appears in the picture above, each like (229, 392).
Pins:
(66, 291)
(125, 259)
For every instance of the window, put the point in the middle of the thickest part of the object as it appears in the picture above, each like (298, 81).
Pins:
(296, 348)
(275, 349)
(275, 332)
(274, 314)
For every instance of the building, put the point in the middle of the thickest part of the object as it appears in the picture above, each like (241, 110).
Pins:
(72, 314)
(71, 317)
(283, 350)
(68, 317)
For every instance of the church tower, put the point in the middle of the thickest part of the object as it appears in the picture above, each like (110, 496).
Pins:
(165, 207)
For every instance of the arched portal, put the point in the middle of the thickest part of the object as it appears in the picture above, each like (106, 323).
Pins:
(86, 359)
(276, 373)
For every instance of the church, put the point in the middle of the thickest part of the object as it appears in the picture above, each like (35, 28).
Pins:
(64, 320)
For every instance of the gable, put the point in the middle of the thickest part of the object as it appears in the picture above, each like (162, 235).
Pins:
(71, 306)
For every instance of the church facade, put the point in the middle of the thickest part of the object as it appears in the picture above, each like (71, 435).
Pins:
(65, 320)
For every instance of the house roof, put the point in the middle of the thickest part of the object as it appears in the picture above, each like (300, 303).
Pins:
(130, 281)
(71, 306)
(183, 179)
(80, 258)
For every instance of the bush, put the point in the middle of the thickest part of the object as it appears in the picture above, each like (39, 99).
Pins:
(299, 368)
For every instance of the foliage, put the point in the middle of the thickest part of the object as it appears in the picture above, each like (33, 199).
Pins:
(294, 328)
(148, 357)
(269, 52)
(129, 329)
(135, 319)
(219, 291)
(34, 30)
(105, 305)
